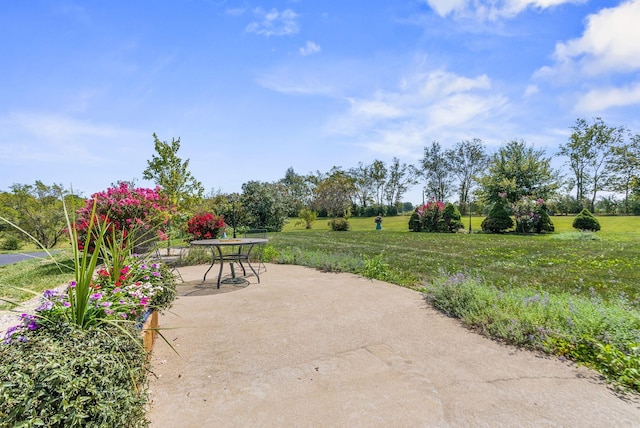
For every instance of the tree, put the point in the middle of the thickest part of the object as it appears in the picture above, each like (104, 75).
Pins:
(437, 173)
(172, 174)
(517, 170)
(468, 159)
(400, 178)
(38, 210)
(590, 150)
(364, 184)
(297, 192)
(264, 204)
(334, 192)
(378, 173)
(173, 177)
(625, 165)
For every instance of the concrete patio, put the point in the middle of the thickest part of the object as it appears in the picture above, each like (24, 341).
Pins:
(310, 349)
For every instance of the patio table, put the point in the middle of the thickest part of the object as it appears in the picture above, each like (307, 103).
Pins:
(243, 254)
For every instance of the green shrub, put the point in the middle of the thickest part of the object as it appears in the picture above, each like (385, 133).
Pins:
(415, 225)
(586, 221)
(603, 335)
(498, 219)
(452, 218)
(543, 224)
(339, 224)
(70, 377)
(11, 243)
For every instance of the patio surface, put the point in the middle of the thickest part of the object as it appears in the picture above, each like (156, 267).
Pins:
(310, 349)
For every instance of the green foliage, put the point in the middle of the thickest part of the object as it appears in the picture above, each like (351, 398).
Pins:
(172, 174)
(435, 216)
(334, 191)
(264, 205)
(308, 217)
(516, 171)
(376, 268)
(10, 243)
(339, 224)
(452, 218)
(36, 209)
(543, 223)
(603, 335)
(70, 377)
(498, 219)
(586, 221)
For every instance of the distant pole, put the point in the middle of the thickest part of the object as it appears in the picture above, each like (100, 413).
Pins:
(470, 231)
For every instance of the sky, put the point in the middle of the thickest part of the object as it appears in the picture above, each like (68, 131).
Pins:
(252, 88)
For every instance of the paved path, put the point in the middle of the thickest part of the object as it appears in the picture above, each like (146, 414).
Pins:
(7, 259)
(312, 349)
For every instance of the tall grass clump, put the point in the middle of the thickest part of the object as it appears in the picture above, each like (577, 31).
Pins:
(604, 335)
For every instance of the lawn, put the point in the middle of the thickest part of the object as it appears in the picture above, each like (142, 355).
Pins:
(604, 263)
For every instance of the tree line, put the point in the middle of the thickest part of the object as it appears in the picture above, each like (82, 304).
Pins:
(599, 158)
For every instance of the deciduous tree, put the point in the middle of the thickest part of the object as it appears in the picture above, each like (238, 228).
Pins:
(518, 170)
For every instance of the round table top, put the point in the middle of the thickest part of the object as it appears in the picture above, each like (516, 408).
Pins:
(230, 241)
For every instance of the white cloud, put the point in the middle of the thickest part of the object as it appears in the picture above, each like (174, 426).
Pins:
(274, 23)
(491, 9)
(610, 42)
(601, 99)
(58, 138)
(531, 90)
(425, 106)
(309, 48)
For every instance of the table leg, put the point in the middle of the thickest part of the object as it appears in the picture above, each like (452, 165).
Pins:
(249, 263)
(213, 261)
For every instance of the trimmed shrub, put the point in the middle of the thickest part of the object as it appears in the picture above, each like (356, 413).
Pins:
(435, 216)
(544, 223)
(586, 221)
(498, 220)
(339, 224)
(452, 218)
(65, 376)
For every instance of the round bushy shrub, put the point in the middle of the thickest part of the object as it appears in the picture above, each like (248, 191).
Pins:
(586, 221)
(64, 376)
(498, 219)
(11, 243)
(544, 223)
(339, 224)
(452, 218)
(415, 223)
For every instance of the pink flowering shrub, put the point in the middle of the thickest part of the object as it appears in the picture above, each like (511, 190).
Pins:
(435, 216)
(126, 210)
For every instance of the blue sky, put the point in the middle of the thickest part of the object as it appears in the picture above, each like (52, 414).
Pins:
(255, 87)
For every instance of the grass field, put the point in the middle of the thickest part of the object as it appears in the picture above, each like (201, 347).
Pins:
(605, 263)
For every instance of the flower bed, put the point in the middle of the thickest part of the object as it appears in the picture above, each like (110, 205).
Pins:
(80, 359)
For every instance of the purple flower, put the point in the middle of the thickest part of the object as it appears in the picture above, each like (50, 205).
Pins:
(45, 306)
(66, 304)
(157, 274)
(50, 294)
(72, 284)
(33, 325)
(95, 296)
(106, 304)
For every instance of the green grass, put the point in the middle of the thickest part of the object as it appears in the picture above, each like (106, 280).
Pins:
(560, 262)
(36, 275)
